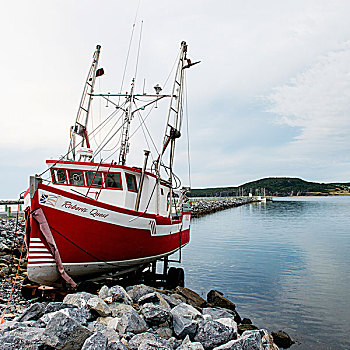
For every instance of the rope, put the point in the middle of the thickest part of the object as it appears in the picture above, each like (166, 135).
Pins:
(14, 283)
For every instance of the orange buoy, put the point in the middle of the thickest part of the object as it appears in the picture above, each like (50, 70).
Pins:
(2, 320)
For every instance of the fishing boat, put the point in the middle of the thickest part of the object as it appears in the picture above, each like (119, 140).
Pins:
(92, 216)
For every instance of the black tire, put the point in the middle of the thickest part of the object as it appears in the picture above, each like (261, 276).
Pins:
(171, 279)
(180, 277)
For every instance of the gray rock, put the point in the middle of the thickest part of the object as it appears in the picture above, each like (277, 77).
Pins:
(80, 315)
(97, 341)
(185, 320)
(96, 327)
(113, 323)
(148, 340)
(188, 345)
(217, 312)
(116, 345)
(131, 322)
(38, 324)
(149, 298)
(155, 298)
(78, 299)
(164, 332)
(111, 335)
(229, 322)
(57, 306)
(171, 300)
(12, 342)
(213, 333)
(22, 338)
(104, 320)
(103, 293)
(99, 306)
(139, 290)
(252, 340)
(155, 314)
(10, 325)
(33, 313)
(118, 309)
(119, 294)
(64, 332)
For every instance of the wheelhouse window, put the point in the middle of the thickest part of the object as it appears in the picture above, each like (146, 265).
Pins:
(76, 177)
(113, 180)
(131, 182)
(94, 178)
(59, 176)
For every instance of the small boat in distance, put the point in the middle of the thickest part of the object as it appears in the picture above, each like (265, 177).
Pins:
(94, 217)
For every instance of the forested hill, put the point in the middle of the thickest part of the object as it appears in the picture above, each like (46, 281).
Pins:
(276, 186)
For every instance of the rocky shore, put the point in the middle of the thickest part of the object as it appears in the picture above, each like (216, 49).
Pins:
(138, 317)
(204, 207)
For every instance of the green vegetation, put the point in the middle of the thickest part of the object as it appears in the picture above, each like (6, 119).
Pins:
(276, 186)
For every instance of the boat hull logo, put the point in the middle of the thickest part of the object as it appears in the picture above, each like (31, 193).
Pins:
(48, 199)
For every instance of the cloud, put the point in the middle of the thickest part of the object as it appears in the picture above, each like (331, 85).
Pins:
(246, 49)
(318, 102)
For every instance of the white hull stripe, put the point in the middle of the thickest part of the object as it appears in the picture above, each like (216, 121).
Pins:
(78, 208)
(43, 260)
(31, 255)
(34, 239)
(36, 244)
(37, 250)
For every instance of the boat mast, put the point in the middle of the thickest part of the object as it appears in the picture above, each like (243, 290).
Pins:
(124, 146)
(81, 121)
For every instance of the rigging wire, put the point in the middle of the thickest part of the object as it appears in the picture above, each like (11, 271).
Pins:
(138, 51)
(149, 134)
(128, 53)
(144, 134)
(144, 120)
(188, 135)
(172, 69)
(111, 129)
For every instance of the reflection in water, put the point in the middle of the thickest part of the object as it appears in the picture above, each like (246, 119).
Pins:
(285, 264)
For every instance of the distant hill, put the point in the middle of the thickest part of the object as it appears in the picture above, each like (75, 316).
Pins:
(276, 186)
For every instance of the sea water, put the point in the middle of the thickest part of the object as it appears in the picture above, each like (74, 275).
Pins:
(285, 264)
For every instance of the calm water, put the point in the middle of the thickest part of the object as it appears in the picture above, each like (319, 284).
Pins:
(286, 265)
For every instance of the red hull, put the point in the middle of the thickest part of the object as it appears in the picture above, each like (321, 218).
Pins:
(102, 244)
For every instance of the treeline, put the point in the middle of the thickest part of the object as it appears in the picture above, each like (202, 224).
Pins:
(274, 186)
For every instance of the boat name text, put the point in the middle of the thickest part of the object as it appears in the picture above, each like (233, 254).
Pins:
(93, 212)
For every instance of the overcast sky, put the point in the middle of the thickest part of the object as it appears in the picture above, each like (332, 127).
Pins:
(271, 96)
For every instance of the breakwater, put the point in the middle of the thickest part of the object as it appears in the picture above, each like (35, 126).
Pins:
(204, 207)
(138, 317)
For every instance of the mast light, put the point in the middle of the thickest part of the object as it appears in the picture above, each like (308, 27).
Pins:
(158, 89)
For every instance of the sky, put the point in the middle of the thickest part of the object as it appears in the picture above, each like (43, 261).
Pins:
(271, 96)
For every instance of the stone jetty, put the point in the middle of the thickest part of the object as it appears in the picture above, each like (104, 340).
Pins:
(204, 207)
(138, 317)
